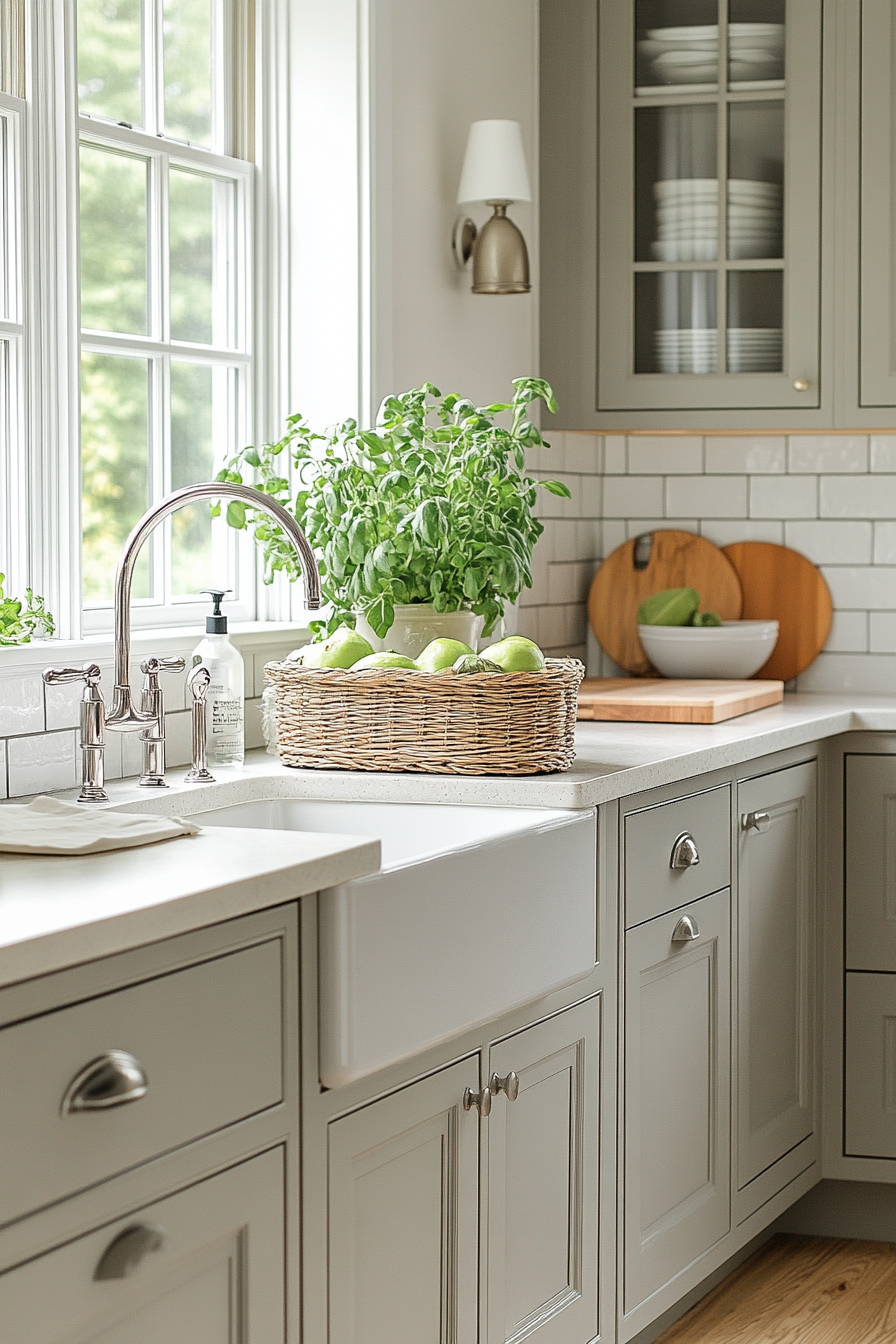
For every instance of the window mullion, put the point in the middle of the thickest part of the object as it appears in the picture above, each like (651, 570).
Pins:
(152, 66)
(160, 474)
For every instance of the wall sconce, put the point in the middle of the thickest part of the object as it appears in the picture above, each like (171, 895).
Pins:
(494, 171)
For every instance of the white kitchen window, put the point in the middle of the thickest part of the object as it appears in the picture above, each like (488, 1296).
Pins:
(166, 294)
(165, 214)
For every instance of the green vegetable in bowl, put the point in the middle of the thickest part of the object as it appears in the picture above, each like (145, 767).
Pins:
(673, 606)
(704, 619)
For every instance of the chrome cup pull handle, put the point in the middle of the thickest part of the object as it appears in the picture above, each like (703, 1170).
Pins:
(113, 1079)
(755, 821)
(686, 930)
(684, 852)
(479, 1101)
(125, 1252)
(510, 1085)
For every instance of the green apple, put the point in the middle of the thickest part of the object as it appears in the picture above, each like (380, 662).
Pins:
(516, 654)
(341, 649)
(387, 659)
(440, 654)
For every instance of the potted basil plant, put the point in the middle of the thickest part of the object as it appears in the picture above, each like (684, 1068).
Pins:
(428, 513)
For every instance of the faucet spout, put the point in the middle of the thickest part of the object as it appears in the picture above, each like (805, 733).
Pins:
(123, 716)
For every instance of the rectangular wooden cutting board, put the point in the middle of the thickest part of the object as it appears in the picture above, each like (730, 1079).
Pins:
(665, 700)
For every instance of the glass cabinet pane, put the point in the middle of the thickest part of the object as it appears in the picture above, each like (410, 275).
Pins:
(755, 180)
(677, 43)
(676, 322)
(755, 41)
(755, 321)
(676, 183)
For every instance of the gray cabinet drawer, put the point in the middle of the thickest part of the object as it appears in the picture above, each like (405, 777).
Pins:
(213, 1272)
(651, 885)
(209, 1039)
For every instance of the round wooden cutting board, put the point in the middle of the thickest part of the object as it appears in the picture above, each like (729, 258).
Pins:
(781, 585)
(646, 565)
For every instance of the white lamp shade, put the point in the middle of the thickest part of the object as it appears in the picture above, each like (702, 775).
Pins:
(494, 164)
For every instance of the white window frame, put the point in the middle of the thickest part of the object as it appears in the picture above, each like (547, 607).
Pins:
(12, 339)
(304, 124)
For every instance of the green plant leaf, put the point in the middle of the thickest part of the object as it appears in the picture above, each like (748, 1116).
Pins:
(236, 514)
(557, 488)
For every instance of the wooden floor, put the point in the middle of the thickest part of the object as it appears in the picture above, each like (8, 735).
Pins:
(800, 1290)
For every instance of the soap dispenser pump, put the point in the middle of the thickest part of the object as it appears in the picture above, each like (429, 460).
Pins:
(225, 694)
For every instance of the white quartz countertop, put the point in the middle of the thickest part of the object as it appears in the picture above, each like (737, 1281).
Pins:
(56, 912)
(613, 760)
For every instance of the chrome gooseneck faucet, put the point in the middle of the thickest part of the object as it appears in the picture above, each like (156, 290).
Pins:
(123, 716)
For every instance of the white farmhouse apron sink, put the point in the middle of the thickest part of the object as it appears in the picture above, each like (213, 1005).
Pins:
(475, 911)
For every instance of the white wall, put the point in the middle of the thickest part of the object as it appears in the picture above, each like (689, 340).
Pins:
(438, 65)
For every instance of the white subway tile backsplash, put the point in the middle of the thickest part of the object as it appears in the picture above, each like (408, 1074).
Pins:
(564, 539)
(3, 793)
(849, 632)
(588, 538)
(867, 673)
(21, 703)
(633, 497)
(883, 452)
(885, 543)
(592, 496)
(636, 526)
(582, 454)
(613, 534)
(784, 497)
(568, 583)
(614, 455)
(882, 631)
(857, 496)
(831, 543)
(736, 456)
(862, 588)
(725, 531)
(706, 496)
(40, 763)
(664, 455)
(828, 452)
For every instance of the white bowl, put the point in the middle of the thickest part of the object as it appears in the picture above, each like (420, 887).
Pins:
(733, 649)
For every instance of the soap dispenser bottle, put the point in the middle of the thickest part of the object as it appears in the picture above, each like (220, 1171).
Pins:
(224, 698)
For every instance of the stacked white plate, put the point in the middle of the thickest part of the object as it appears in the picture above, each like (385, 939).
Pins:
(690, 350)
(690, 55)
(687, 219)
(755, 349)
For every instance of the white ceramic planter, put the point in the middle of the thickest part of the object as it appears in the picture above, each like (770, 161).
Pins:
(417, 623)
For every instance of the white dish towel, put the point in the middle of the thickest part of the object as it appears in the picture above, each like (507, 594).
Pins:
(50, 826)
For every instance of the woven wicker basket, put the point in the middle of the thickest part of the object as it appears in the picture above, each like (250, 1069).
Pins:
(491, 723)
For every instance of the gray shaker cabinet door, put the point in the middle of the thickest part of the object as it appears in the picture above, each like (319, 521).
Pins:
(877, 336)
(870, 1072)
(214, 1276)
(677, 1089)
(403, 1215)
(871, 863)
(776, 966)
(540, 1275)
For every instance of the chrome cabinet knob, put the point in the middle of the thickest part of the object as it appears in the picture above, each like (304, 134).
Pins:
(479, 1101)
(801, 384)
(684, 852)
(686, 930)
(755, 821)
(125, 1252)
(113, 1079)
(510, 1085)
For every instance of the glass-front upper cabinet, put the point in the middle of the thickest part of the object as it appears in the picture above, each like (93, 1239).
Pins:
(708, 213)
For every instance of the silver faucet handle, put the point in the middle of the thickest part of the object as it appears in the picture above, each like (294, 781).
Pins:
(60, 676)
(93, 727)
(151, 667)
